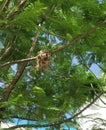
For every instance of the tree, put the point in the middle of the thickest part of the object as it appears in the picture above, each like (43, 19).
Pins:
(49, 47)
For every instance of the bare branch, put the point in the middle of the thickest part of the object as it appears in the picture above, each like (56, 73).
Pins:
(9, 87)
(97, 95)
(17, 61)
(80, 37)
(100, 67)
(54, 34)
(5, 5)
(6, 51)
(102, 101)
(9, 46)
(19, 5)
(61, 48)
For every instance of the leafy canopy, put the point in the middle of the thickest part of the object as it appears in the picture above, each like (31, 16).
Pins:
(74, 33)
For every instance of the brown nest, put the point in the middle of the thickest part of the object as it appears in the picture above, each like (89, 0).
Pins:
(43, 60)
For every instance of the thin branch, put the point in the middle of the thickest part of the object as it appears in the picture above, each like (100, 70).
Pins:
(17, 61)
(19, 5)
(80, 37)
(6, 51)
(91, 103)
(102, 101)
(60, 122)
(82, 62)
(7, 2)
(9, 87)
(99, 106)
(54, 34)
(88, 68)
(100, 67)
(97, 95)
(9, 46)
(59, 49)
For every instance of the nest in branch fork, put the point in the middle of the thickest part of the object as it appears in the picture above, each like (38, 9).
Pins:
(43, 60)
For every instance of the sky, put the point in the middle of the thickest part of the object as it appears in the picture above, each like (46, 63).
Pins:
(96, 70)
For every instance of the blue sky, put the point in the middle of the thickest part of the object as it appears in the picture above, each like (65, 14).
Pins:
(26, 122)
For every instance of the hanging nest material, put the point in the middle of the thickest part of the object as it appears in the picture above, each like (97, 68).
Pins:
(43, 60)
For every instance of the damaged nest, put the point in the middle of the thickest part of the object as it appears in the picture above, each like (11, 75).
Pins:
(43, 60)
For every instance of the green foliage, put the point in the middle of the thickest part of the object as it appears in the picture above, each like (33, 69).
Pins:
(31, 14)
(47, 97)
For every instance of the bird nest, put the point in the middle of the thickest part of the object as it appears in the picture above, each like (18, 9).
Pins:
(43, 60)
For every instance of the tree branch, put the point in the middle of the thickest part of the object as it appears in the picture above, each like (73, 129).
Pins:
(54, 34)
(5, 5)
(80, 37)
(59, 49)
(9, 87)
(6, 51)
(98, 97)
(17, 61)
(9, 46)
(60, 122)
(101, 67)
(19, 5)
